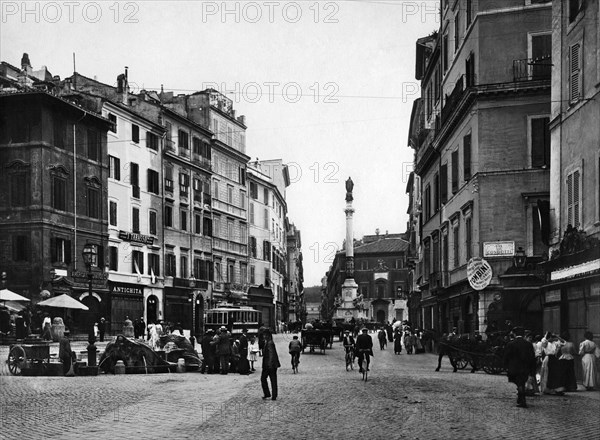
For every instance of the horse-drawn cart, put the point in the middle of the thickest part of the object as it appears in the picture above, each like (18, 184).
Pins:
(478, 354)
(23, 358)
(316, 339)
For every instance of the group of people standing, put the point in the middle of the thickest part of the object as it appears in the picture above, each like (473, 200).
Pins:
(547, 364)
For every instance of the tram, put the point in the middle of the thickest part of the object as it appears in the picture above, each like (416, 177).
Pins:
(234, 317)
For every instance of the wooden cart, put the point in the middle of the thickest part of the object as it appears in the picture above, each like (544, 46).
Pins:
(29, 357)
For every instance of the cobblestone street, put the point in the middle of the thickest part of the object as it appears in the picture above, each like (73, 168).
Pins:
(404, 398)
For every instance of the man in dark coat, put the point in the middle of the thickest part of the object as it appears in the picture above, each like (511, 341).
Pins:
(364, 347)
(243, 364)
(269, 367)
(519, 360)
(102, 328)
(224, 350)
(207, 352)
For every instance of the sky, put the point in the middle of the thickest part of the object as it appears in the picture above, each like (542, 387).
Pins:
(326, 86)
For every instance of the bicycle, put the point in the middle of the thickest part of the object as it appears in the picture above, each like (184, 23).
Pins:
(295, 361)
(364, 363)
(349, 357)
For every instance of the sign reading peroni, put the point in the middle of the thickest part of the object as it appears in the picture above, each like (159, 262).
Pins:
(479, 273)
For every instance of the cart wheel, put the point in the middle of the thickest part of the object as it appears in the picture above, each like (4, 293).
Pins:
(461, 363)
(16, 360)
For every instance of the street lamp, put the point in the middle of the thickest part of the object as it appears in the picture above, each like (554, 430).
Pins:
(520, 258)
(90, 256)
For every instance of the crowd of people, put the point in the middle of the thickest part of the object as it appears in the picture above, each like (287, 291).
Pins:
(546, 364)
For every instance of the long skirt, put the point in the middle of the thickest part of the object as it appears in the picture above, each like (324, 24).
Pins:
(567, 369)
(544, 375)
(397, 345)
(588, 362)
(554, 373)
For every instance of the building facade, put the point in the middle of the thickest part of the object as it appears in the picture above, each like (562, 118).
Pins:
(53, 153)
(297, 306)
(481, 140)
(571, 297)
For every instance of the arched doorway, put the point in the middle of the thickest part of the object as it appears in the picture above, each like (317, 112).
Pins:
(381, 316)
(85, 319)
(152, 309)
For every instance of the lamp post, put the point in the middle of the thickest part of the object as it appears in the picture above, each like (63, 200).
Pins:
(90, 255)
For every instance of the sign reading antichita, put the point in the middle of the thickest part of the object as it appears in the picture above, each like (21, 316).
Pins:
(479, 273)
(136, 238)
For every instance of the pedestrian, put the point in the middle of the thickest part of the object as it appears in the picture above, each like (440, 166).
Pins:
(397, 341)
(566, 363)
(407, 342)
(364, 348)
(551, 381)
(235, 356)
(224, 349)
(269, 367)
(382, 338)
(252, 352)
(244, 365)
(102, 328)
(46, 327)
(208, 360)
(142, 329)
(531, 386)
(519, 360)
(589, 352)
(96, 330)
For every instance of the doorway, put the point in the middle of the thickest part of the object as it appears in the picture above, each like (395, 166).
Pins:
(151, 309)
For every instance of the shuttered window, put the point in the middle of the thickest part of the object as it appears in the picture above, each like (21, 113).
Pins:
(467, 157)
(573, 199)
(575, 73)
(444, 183)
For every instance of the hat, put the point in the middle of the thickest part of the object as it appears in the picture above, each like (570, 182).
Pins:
(364, 329)
(223, 328)
(346, 331)
(518, 331)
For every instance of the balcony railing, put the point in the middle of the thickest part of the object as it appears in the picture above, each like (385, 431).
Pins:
(532, 69)
(201, 160)
(453, 99)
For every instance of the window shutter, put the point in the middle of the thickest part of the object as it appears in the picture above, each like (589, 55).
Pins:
(570, 199)
(467, 157)
(454, 172)
(100, 259)
(575, 67)
(576, 202)
(68, 251)
(53, 249)
(537, 142)
(444, 183)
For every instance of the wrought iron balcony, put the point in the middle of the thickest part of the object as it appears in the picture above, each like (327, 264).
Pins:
(532, 69)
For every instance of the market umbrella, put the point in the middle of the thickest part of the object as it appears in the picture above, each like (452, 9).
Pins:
(9, 295)
(63, 301)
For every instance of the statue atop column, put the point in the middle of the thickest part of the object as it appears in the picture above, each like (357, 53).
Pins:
(349, 188)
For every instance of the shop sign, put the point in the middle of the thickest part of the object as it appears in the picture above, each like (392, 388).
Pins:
(127, 290)
(136, 238)
(498, 249)
(479, 273)
(577, 270)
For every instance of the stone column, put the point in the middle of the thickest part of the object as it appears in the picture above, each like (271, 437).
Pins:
(349, 288)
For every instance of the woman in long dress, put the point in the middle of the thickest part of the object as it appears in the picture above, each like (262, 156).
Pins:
(551, 372)
(588, 350)
(567, 363)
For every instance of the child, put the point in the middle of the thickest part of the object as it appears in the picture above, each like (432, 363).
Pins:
(252, 352)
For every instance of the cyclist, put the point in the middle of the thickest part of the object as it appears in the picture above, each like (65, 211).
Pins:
(349, 343)
(295, 347)
(364, 348)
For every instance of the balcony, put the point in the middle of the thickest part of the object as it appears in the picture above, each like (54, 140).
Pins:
(453, 99)
(532, 69)
(201, 160)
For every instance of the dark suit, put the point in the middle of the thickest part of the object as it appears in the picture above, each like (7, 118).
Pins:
(269, 369)
(519, 360)
(364, 342)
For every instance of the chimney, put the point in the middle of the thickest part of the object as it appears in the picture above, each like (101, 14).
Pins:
(123, 87)
(242, 119)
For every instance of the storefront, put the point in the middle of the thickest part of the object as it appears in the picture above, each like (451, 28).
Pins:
(179, 306)
(126, 300)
